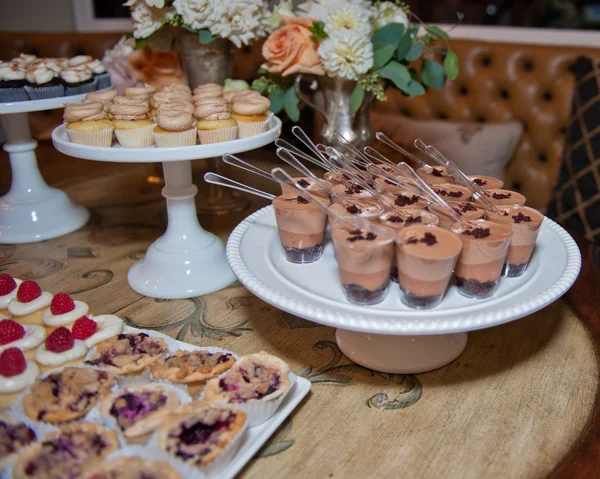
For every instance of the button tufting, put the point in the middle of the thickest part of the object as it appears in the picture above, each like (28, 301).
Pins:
(543, 157)
(516, 185)
(480, 119)
(486, 61)
(528, 66)
(463, 90)
(406, 112)
(504, 94)
(442, 116)
(547, 96)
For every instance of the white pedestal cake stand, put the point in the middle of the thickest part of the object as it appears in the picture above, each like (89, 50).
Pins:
(186, 261)
(390, 336)
(31, 210)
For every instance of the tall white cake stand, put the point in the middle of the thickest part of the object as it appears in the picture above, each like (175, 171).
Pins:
(31, 210)
(186, 261)
(390, 336)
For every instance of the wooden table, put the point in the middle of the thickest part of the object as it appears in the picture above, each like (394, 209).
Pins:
(522, 401)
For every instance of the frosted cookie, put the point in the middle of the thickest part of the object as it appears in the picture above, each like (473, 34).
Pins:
(63, 311)
(16, 373)
(60, 349)
(8, 291)
(25, 337)
(29, 304)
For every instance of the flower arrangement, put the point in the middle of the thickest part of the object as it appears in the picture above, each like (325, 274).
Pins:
(373, 44)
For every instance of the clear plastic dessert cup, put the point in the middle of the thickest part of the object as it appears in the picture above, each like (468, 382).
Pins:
(486, 182)
(435, 175)
(310, 185)
(351, 210)
(301, 226)
(389, 186)
(452, 192)
(364, 260)
(467, 210)
(525, 223)
(502, 197)
(426, 257)
(336, 178)
(485, 245)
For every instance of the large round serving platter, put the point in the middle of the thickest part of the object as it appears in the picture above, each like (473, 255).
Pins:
(387, 336)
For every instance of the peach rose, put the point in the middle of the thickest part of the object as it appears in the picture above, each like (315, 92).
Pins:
(290, 49)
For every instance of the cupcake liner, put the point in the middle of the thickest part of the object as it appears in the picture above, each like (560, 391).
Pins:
(42, 92)
(136, 137)
(103, 80)
(248, 128)
(175, 139)
(91, 138)
(217, 136)
(8, 95)
(82, 88)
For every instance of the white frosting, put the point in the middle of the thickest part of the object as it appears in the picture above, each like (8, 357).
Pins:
(20, 381)
(12, 73)
(54, 65)
(79, 60)
(72, 75)
(26, 58)
(34, 335)
(54, 320)
(96, 66)
(16, 308)
(49, 358)
(40, 75)
(109, 325)
(4, 300)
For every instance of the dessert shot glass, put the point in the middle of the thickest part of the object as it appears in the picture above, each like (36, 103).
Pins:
(407, 199)
(525, 223)
(426, 256)
(452, 192)
(467, 210)
(310, 185)
(485, 245)
(497, 196)
(486, 182)
(364, 259)
(351, 209)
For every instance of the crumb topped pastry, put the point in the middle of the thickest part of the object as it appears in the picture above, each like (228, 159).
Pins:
(199, 432)
(14, 436)
(66, 395)
(128, 353)
(139, 410)
(192, 366)
(133, 468)
(66, 453)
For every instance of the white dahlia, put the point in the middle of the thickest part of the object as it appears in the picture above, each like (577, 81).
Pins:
(146, 20)
(388, 12)
(346, 54)
(349, 17)
(199, 14)
(240, 22)
(319, 9)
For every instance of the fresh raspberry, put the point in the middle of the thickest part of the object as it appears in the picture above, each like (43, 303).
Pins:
(59, 340)
(84, 327)
(12, 362)
(62, 303)
(10, 331)
(28, 291)
(7, 284)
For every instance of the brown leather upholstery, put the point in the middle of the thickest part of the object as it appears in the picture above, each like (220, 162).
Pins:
(501, 82)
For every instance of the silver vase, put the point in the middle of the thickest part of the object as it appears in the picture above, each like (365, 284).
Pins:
(356, 128)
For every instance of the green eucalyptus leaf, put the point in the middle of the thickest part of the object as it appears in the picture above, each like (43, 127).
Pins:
(437, 32)
(290, 104)
(404, 47)
(451, 65)
(396, 72)
(356, 98)
(416, 50)
(391, 33)
(432, 74)
(382, 53)
(277, 99)
(414, 88)
(205, 36)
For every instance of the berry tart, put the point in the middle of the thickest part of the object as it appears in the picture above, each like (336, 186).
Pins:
(63, 311)
(66, 395)
(16, 373)
(66, 453)
(200, 433)
(26, 338)
(8, 291)
(128, 353)
(96, 329)
(256, 384)
(29, 304)
(60, 349)
(14, 436)
(139, 410)
(192, 366)
(133, 468)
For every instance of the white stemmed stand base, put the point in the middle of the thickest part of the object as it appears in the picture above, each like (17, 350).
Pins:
(186, 261)
(31, 210)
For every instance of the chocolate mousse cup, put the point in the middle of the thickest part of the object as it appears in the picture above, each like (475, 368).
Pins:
(451, 192)
(469, 211)
(435, 175)
(352, 191)
(502, 197)
(310, 185)
(407, 200)
(526, 223)
(352, 209)
(486, 182)
(426, 257)
(485, 245)
(364, 261)
(301, 226)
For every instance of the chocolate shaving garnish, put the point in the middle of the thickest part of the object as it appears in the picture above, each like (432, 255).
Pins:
(428, 238)
(412, 241)
(520, 218)
(436, 172)
(403, 200)
(355, 232)
(478, 232)
(455, 194)
(464, 208)
(441, 192)
(360, 237)
(479, 181)
(396, 219)
(353, 209)
(301, 200)
(501, 196)
(414, 219)
(303, 183)
(505, 213)
(353, 189)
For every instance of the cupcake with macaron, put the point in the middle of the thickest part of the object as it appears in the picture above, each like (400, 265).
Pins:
(28, 306)
(105, 96)
(8, 291)
(88, 124)
(250, 112)
(162, 97)
(136, 91)
(63, 311)
(179, 106)
(213, 90)
(174, 128)
(178, 87)
(132, 123)
(215, 123)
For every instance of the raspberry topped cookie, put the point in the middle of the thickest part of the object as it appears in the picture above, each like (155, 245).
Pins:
(14, 436)
(63, 311)
(192, 366)
(8, 291)
(133, 468)
(199, 432)
(66, 453)
(139, 410)
(128, 353)
(66, 395)
(26, 338)
(96, 329)
(60, 348)
(16, 373)
(29, 304)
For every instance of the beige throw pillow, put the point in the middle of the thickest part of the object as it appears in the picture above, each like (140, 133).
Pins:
(476, 148)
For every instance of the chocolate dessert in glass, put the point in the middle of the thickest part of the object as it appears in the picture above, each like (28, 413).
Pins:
(426, 256)
(310, 184)
(351, 209)
(407, 199)
(352, 191)
(451, 192)
(469, 211)
(525, 223)
(435, 174)
(364, 261)
(486, 182)
(301, 226)
(502, 197)
(485, 245)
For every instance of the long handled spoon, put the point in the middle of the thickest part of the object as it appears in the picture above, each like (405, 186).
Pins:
(384, 139)
(299, 153)
(239, 163)
(216, 179)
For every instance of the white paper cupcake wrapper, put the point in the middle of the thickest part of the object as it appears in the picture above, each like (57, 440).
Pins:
(248, 128)
(175, 139)
(136, 137)
(217, 136)
(91, 138)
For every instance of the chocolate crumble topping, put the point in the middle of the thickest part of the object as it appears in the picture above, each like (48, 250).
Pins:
(353, 189)
(505, 213)
(479, 181)
(355, 232)
(501, 196)
(414, 219)
(395, 219)
(520, 218)
(428, 238)
(403, 200)
(464, 208)
(303, 183)
(455, 194)
(436, 172)
(478, 232)
(301, 200)
(353, 209)
(360, 237)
